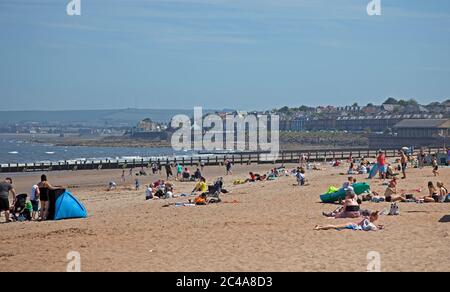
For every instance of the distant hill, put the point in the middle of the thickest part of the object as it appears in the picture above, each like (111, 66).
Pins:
(127, 117)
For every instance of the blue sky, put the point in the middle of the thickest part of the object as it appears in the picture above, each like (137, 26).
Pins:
(244, 54)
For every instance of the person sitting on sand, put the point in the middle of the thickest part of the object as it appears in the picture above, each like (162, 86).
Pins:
(348, 183)
(443, 192)
(434, 194)
(112, 186)
(148, 193)
(351, 168)
(201, 187)
(201, 199)
(197, 174)
(367, 224)
(362, 169)
(44, 188)
(186, 175)
(349, 209)
(390, 173)
(391, 193)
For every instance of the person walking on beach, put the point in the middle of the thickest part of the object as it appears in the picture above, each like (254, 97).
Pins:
(6, 188)
(137, 184)
(131, 172)
(228, 165)
(202, 164)
(421, 158)
(168, 170)
(435, 164)
(179, 170)
(123, 176)
(404, 163)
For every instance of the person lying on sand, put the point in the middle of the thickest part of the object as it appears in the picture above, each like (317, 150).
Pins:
(367, 224)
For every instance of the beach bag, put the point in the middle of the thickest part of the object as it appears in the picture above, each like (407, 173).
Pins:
(447, 200)
(394, 210)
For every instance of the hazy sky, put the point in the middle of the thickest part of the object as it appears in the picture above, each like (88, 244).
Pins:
(244, 54)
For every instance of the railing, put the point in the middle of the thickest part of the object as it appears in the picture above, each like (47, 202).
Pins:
(287, 156)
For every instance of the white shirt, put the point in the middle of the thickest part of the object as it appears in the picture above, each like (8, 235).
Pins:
(34, 193)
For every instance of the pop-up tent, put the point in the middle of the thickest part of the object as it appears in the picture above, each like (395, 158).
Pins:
(64, 205)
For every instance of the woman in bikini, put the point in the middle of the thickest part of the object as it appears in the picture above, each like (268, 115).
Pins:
(367, 224)
(434, 194)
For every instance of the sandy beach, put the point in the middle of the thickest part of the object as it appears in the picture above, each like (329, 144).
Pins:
(270, 228)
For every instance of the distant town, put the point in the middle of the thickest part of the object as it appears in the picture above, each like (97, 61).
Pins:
(393, 123)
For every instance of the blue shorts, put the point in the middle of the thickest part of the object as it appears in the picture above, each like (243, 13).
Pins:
(35, 204)
(383, 169)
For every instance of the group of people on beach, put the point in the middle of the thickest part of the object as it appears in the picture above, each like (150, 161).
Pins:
(351, 206)
(36, 207)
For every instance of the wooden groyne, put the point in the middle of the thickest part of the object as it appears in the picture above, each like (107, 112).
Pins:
(287, 156)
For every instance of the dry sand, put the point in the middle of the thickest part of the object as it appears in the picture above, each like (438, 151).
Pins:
(270, 229)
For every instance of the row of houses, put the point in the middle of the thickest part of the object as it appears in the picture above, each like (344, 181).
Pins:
(414, 132)
(371, 123)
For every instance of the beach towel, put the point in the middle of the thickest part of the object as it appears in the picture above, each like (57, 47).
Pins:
(332, 189)
(373, 171)
(239, 182)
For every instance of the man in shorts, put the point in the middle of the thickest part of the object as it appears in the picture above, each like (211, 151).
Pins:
(5, 189)
(382, 166)
(404, 163)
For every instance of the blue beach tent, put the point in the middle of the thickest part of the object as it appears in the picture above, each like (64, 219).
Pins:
(64, 205)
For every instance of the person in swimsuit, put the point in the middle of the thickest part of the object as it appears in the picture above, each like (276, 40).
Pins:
(350, 208)
(367, 224)
(434, 194)
(443, 192)
(404, 163)
(435, 166)
(44, 188)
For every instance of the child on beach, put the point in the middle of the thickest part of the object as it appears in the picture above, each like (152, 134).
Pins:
(435, 166)
(367, 224)
(301, 177)
(112, 186)
(179, 171)
(148, 193)
(348, 183)
(34, 199)
(137, 185)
